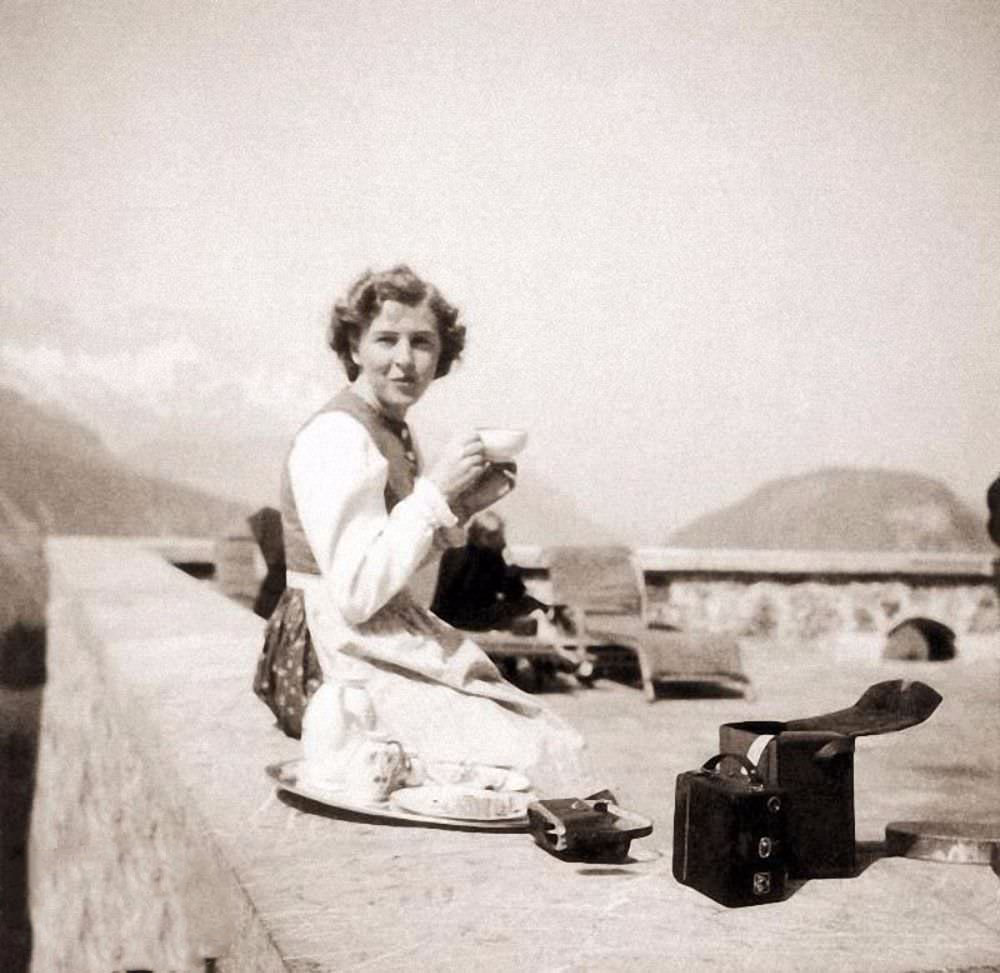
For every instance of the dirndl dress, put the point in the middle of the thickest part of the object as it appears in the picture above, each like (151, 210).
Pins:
(359, 524)
(288, 671)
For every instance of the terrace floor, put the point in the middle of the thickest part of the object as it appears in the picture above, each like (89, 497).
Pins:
(443, 900)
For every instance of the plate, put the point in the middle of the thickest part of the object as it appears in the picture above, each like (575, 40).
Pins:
(288, 777)
(951, 842)
(448, 773)
(459, 803)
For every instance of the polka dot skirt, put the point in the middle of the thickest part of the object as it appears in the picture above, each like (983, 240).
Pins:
(288, 671)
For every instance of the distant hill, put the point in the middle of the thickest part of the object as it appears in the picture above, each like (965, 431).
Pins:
(539, 513)
(56, 474)
(247, 469)
(843, 509)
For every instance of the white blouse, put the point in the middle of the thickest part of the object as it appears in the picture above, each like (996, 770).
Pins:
(366, 555)
(427, 685)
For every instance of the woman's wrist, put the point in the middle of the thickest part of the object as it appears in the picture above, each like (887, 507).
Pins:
(434, 502)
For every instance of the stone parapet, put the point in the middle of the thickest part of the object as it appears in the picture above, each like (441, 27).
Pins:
(148, 734)
(784, 594)
(158, 841)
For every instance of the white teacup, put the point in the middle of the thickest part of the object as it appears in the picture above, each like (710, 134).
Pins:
(502, 444)
(375, 769)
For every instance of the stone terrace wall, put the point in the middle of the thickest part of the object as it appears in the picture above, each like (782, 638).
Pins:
(789, 595)
(808, 595)
(816, 609)
(158, 841)
(148, 675)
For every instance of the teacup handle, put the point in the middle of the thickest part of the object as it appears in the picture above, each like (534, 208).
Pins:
(404, 757)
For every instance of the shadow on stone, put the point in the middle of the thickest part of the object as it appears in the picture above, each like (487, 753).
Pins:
(22, 656)
(21, 678)
(867, 853)
(696, 690)
(604, 872)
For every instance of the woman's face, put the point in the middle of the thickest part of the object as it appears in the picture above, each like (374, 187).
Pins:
(398, 355)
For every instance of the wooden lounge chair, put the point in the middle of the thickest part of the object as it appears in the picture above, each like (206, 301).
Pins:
(265, 525)
(606, 587)
(546, 651)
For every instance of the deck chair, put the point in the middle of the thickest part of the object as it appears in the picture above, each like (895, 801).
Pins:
(606, 587)
(265, 525)
(561, 649)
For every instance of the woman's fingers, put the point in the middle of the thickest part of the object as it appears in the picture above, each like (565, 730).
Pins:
(473, 446)
(461, 465)
(472, 469)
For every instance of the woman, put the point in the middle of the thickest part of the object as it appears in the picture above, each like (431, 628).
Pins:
(360, 519)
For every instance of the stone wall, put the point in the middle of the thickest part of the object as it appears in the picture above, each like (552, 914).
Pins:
(158, 841)
(820, 609)
(126, 870)
(790, 595)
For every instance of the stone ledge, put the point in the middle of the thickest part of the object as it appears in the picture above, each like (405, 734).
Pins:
(157, 836)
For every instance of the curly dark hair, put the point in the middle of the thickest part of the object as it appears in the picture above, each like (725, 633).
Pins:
(363, 302)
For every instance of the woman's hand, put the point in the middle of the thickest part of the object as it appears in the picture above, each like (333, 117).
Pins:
(496, 482)
(461, 463)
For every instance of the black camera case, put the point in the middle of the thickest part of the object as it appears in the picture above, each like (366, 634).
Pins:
(812, 760)
(818, 769)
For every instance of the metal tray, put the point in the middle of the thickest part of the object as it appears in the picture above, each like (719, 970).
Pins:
(288, 775)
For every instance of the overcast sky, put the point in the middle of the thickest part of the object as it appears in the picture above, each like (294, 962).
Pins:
(697, 245)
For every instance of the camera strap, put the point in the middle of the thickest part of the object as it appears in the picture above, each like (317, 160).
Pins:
(711, 766)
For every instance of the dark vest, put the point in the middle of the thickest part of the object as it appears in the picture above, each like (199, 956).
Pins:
(393, 441)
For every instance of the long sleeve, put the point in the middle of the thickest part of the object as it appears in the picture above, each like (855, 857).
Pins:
(365, 555)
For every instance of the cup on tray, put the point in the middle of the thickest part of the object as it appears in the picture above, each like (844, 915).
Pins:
(375, 769)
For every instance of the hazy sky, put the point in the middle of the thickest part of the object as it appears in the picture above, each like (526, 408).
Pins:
(697, 245)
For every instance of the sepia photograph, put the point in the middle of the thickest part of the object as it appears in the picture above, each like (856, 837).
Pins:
(490, 485)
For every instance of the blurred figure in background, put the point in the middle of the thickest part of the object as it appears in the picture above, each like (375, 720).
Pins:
(993, 503)
(477, 589)
(265, 525)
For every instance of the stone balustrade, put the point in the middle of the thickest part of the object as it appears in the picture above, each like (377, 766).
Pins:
(158, 842)
(806, 595)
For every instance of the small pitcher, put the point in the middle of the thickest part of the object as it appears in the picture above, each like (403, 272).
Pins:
(336, 722)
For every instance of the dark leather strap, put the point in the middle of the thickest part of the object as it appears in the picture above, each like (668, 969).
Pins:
(710, 766)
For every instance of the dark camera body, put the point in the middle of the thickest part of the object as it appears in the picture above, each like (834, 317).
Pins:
(816, 770)
(730, 837)
(590, 829)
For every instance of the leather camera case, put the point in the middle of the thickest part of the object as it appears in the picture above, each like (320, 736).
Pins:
(816, 769)
(812, 759)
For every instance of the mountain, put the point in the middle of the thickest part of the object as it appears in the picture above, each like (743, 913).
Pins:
(843, 509)
(539, 513)
(56, 474)
(248, 469)
(536, 512)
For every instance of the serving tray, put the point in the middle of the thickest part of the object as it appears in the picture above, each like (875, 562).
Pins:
(288, 777)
